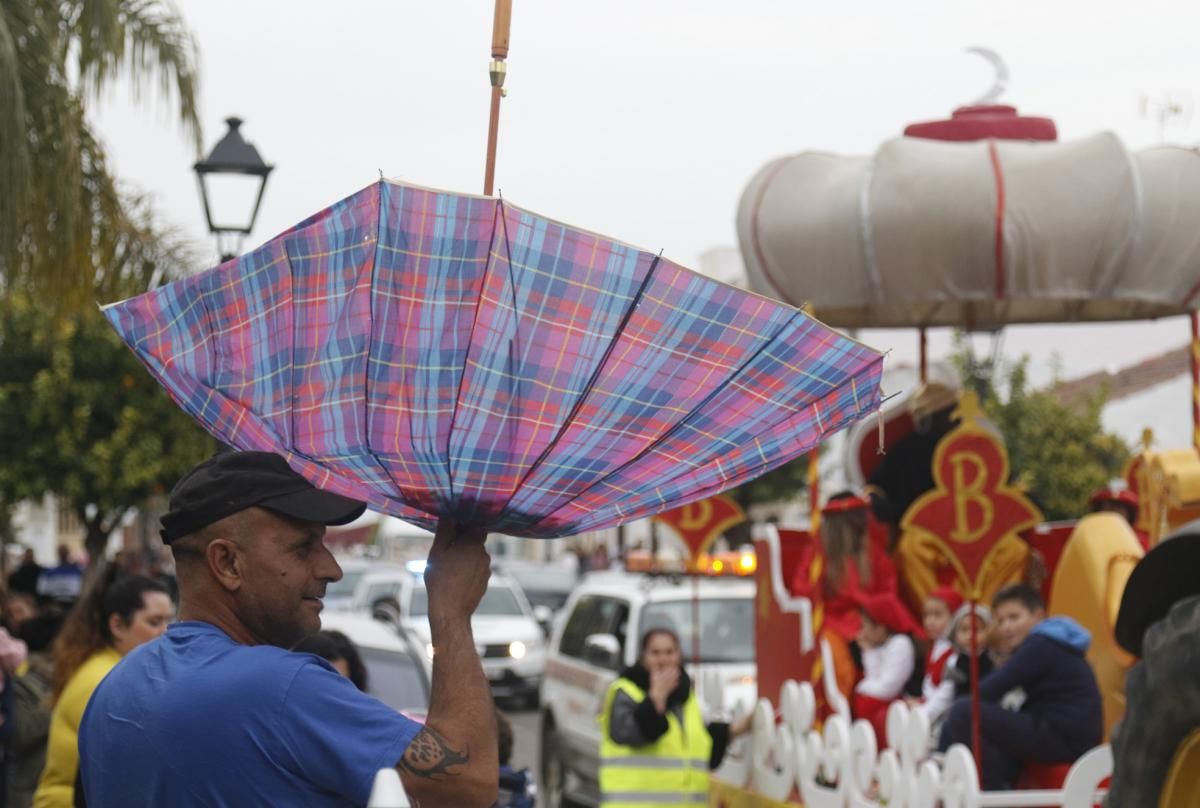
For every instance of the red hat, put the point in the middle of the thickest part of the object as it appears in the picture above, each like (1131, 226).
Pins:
(886, 609)
(845, 505)
(948, 595)
(1115, 492)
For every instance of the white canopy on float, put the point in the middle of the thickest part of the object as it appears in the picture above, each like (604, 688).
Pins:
(908, 237)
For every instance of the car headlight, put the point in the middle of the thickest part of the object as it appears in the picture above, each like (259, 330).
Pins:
(516, 649)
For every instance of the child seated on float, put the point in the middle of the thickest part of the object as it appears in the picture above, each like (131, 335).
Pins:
(1060, 715)
(937, 689)
(840, 566)
(888, 659)
(958, 670)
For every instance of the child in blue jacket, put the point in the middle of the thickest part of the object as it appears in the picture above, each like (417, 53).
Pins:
(1057, 715)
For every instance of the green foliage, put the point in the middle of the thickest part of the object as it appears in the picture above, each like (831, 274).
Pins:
(63, 215)
(788, 482)
(80, 418)
(1060, 453)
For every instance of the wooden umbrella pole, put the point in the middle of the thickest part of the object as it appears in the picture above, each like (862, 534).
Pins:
(976, 710)
(924, 351)
(501, 23)
(1195, 366)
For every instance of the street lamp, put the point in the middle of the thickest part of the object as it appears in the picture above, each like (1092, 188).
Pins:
(230, 177)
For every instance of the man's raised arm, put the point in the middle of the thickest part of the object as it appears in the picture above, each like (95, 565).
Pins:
(454, 760)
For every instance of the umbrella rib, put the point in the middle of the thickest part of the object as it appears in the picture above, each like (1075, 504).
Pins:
(749, 473)
(450, 505)
(682, 421)
(591, 382)
(382, 200)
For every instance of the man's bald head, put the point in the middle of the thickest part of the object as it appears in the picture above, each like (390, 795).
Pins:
(259, 575)
(246, 531)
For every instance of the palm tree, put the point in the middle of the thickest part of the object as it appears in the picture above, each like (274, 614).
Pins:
(62, 213)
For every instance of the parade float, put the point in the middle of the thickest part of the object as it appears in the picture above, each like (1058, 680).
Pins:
(977, 222)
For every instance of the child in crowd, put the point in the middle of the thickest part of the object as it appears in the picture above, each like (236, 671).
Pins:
(888, 659)
(336, 648)
(958, 671)
(1060, 716)
(937, 689)
(516, 785)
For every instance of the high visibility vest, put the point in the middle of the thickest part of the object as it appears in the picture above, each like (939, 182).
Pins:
(671, 771)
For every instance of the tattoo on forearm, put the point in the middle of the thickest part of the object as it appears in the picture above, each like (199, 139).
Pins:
(430, 756)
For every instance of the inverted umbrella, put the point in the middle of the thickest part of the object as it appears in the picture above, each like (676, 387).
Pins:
(439, 354)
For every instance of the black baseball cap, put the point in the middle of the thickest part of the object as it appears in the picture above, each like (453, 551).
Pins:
(1165, 576)
(233, 481)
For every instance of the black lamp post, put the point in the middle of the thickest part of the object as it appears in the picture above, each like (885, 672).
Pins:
(231, 157)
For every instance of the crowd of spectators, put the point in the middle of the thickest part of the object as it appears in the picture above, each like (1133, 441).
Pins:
(62, 628)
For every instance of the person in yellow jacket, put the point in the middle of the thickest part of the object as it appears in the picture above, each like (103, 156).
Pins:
(117, 614)
(655, 747)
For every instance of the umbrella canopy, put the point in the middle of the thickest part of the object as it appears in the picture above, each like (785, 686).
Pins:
(987, 233)
(438, 354)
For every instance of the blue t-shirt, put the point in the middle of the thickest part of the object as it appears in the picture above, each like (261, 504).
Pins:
(196, 719)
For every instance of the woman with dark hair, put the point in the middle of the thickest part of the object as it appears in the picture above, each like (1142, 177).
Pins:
(335, 648)
(116, 614)
(654, 741)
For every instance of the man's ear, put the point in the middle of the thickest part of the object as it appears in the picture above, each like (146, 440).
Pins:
(225, 562)
(115, 625)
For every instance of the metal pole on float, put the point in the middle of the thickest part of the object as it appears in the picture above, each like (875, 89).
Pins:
(814, 490)
(976, 709)
(696, 631)
(501, 23)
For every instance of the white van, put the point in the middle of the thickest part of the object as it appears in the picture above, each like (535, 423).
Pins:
(596, 636)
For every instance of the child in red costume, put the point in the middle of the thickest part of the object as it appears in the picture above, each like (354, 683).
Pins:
(937, 690)
(845, 566)
(888, 659)
(1117, 497)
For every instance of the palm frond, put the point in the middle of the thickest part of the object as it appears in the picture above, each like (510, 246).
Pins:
(146, 37)
(14, 147)
(65, 231)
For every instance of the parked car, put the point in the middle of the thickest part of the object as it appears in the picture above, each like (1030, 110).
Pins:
(340, 595)
(546, 585)
(387, 581)
(507, 636)
(397, 671)
(597, 636)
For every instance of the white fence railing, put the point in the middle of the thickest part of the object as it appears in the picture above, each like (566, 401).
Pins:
(841, 767)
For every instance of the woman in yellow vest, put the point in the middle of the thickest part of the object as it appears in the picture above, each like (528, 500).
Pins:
(655, 747)
(116, 614)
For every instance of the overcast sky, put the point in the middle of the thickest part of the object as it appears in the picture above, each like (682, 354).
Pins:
(645, 119)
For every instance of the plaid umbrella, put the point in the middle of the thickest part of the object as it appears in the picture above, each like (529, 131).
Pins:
(440, 354)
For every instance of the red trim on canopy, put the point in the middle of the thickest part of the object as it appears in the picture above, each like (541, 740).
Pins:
(998, 121)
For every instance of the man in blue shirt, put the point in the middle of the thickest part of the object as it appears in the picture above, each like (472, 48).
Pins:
(219, 712)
